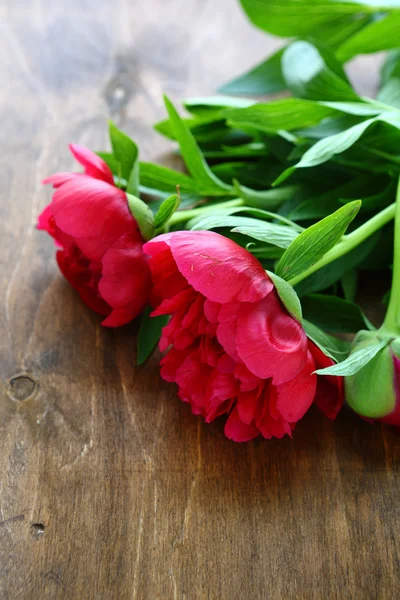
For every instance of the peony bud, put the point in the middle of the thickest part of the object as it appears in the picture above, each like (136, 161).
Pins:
(374, 391)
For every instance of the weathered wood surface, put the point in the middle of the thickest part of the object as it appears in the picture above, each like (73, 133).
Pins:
(110, 488)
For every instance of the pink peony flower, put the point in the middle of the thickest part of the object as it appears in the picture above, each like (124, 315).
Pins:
(100, 245)
(232, 348)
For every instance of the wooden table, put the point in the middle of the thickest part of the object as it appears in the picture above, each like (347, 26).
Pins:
(110, 488)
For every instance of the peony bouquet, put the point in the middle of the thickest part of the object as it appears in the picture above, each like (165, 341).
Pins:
(245, 269)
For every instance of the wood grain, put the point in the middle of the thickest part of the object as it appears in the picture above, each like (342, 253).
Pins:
(109, 487)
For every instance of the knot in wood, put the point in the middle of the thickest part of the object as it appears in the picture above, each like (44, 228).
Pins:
(22, 387)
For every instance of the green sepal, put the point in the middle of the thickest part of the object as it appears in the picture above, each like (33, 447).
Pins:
(143, 216)
(335, 348)
(370, 392)
(166, 210)
(287, 295)
(367, 345)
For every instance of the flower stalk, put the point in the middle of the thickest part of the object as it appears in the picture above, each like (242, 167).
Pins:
(391, 322)
(182, 216)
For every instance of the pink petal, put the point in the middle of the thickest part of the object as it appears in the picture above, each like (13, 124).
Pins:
(125, 275)
(269, 341)
(227, 328)
(88, 208)
(226, 334)
(81, 279)
(247, 404)
(191, 378)
(92, 248)
(218, 268)
(238, 431)
(209, 351)
(211, 310)
(329, 393)
(122, 316)
(296, 396)
(167, 281)
(277, 429)
(94, 165)
(60, 178)
(170, 364)
(226, 364)
(248, 381)
(177, 302)
(221, 392)
(46, 221)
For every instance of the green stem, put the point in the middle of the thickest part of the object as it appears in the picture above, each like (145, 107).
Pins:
(181, 216)
(392, 319)
(351, 241)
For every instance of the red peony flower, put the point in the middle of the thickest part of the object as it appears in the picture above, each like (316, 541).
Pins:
(232, 346)
(100, 243)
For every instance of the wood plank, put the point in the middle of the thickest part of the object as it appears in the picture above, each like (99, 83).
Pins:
(109, 487)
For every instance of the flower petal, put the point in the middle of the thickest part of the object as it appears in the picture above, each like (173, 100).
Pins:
(218, 268)
(46, 221)
(238, 431)
(59, 178)
(296, 396)
(81, 279)
(94, 165)
(329, 395)
(270, 342)
(126, 276)
(122, 315)
(88, 208)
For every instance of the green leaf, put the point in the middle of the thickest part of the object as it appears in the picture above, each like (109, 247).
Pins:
(314, 73)
(331, 21)
(270, 233)
(192, 155)
(333, 313)
(381, 34)
(268, 199)
(143, 216)
(356, 361)
(391, 67)
(265, 78)
(294, 17)
(212, 105)
(330, 146)
(390, 92)
(149, 334)
(319, 204)
(287, 295)
(287, 114)
(159, 178)
(335, 348)
(125, 153)
(325, 149)
(165, 126)
(359, 109)
(314, 242)
(166, 210)
(327, 276)
(111, 161)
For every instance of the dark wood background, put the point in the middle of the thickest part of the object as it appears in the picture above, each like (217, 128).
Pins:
(109, 487)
